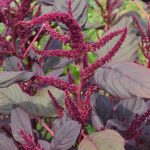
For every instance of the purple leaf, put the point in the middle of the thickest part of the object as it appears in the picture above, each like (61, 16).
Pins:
(12, 64)
(131, 147)
(96, 121)
(45, 145)
(102, 106)
(147, 131)
(46, 2)
(55, 73)
(126, 110)
(95, 25)
(6, 143)
(54, 44)
(66, 136)
(59, 122)
(63, 62)
(115, 123)
(104, 140)
(9, 78)
(124, 79)
(20, 120)
(4, 122)
(128, 50)
(79, 10)
(40, 103)
(52, 61)
(37, 69)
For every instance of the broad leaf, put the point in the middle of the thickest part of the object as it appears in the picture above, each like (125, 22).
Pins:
(79, 10)
(115, 123)
(37, 69)
(94, 25)
(63, 62)
(55, 73)
(6, 143)
(40, 104)
(127, 109)
(104, 140)
(20, 120)
(4, 122)
(128, 50)
(144, 143)
(50, 62)
(57, 123)
(124, 79)
(131, 147)
(46, 145)
(66, 136)
(54, 44)
(8, 78)
(46, 6)
(96, 121)
(46, 2)
(147, 131)
(103, 107)
(12, 63)
(44, 103)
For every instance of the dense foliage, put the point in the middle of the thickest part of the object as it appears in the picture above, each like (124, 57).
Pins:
(75, 75)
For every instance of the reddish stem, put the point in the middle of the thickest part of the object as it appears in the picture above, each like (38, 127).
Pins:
(31, 45)
(79, 102)
(45, 126)
(148, 65)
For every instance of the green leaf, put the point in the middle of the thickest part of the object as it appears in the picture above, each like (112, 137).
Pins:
(126, 110)
(40, 104)
(104, 140)
(128, 50)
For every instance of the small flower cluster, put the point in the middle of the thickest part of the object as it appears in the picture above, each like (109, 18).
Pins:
(23, 10)
(78, 114)
(56, 83)
(60, 53)
(56, 35)
(29, 142)
(73, 27)
(56, 105)
(89, 71)
(79, 106)
(135, 130)
(81, 109)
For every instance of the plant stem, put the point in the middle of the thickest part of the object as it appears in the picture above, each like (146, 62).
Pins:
(140, 7)
(30, 46)
(79, 102)
(79, 94)
(100, 6)
(45, 126)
